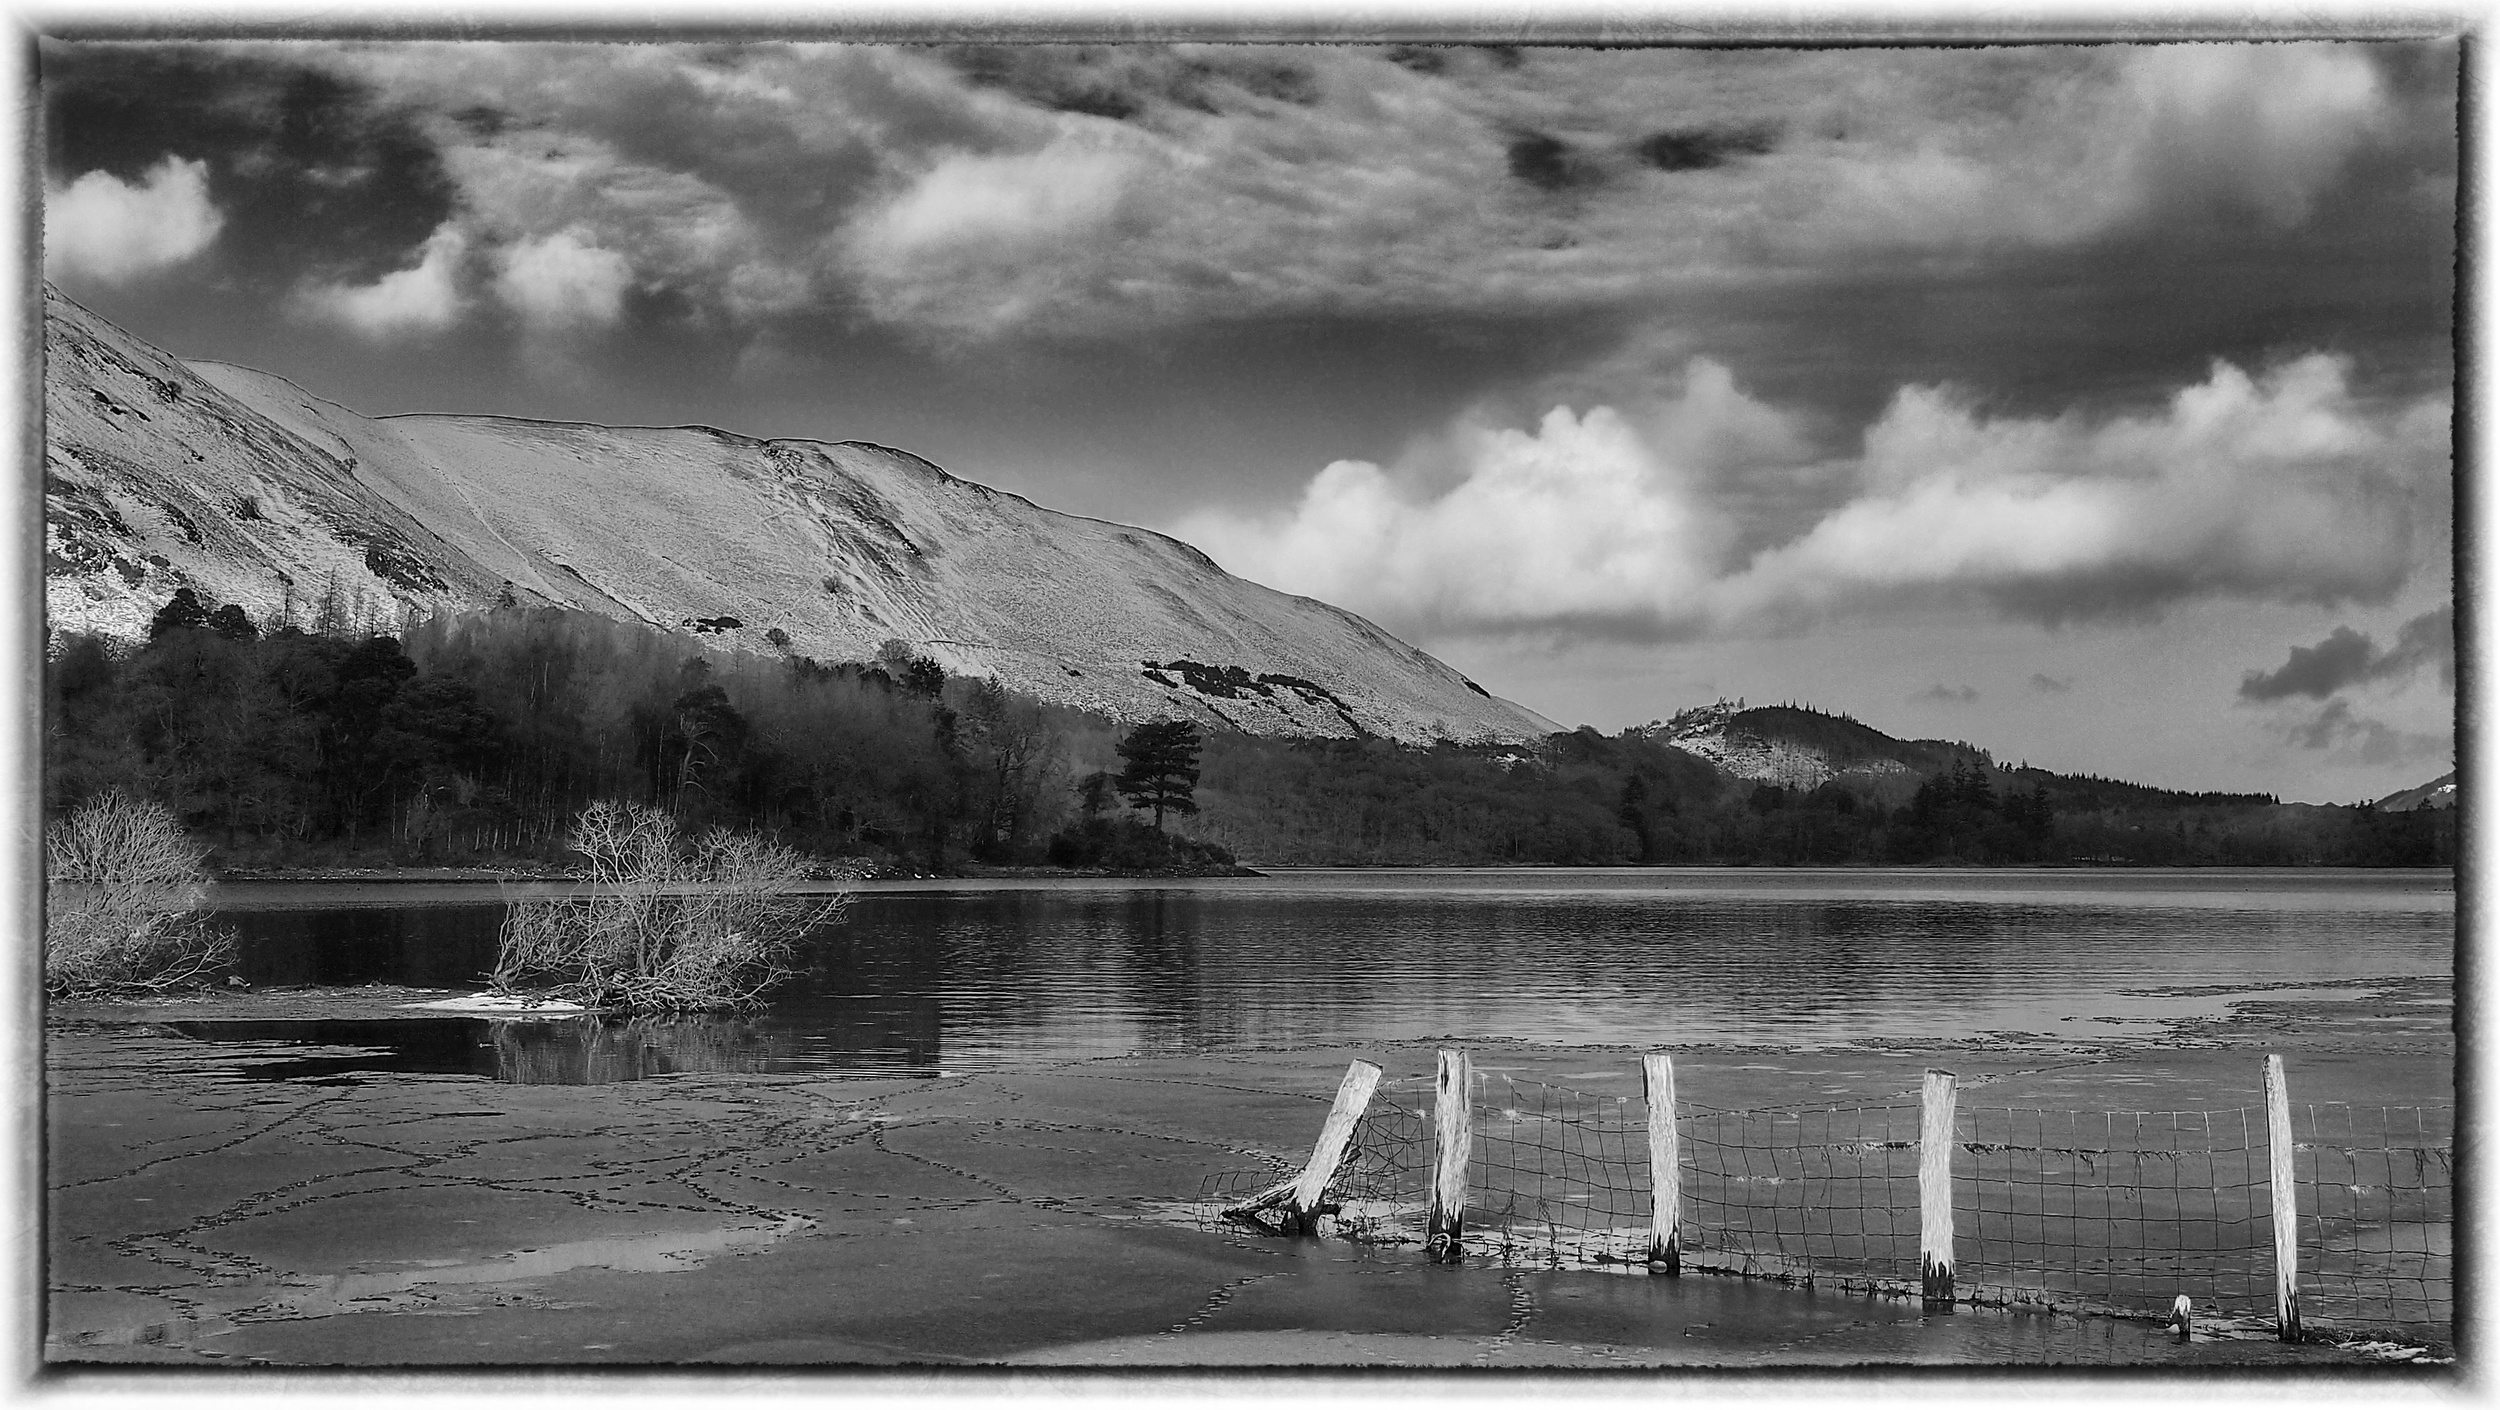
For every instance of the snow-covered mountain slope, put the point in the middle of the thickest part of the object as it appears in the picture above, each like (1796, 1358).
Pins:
(160, 474)
(154, 478)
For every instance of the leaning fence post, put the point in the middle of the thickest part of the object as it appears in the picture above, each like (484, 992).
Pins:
(1299, 1198)
(1666, 1178)
(1452, 1138)
(1935, 1188)
(1353, 1094)
(2286, 1200)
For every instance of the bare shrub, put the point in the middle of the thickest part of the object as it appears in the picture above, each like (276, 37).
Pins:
(669, 925)
(122, 887)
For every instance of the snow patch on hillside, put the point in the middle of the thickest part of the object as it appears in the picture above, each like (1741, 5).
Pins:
(1710, 732)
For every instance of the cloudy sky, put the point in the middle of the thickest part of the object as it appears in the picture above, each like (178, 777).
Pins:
(2091, 404)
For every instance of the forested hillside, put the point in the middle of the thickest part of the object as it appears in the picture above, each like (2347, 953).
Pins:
(475, 738)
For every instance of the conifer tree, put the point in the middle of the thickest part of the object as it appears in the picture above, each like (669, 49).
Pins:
(1161, 768)
(184, 609)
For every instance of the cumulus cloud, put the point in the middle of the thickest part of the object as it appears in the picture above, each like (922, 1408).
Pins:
(424, 298)
(2268, 125)
(2348, 658)
(1068, 188)
(2279, 487)
(2086, 147)
(102, 228)
(1578, 521)
(1022, 226)
(562, 281)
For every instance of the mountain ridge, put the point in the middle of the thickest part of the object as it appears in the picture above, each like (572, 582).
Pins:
(2441, 792)
(1799, 747)
(1793, 747)
(161, 473)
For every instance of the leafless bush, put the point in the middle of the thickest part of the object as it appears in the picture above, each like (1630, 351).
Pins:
(668, 925)
(122, 888)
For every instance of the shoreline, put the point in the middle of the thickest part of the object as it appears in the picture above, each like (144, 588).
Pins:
(1024, 1214)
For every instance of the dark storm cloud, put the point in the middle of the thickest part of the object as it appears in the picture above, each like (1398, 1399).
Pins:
(2315, 671)
(2369, 741)
(1067, 80)
(2348, 658)
(482, 121)
(1540, 160)
(1454, 60)
(792, 183)
(1421, 58)
(314, 175)
(1123, 82)
(1701, 148)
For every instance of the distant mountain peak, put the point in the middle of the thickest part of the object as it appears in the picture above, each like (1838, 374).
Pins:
(2440, 792)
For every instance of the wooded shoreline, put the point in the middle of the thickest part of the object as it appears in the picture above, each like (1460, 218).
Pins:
(477, 739)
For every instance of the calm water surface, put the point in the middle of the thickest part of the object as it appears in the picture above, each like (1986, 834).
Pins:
(929, 976)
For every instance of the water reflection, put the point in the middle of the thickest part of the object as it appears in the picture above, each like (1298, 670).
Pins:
(348, 1046)
(590, 1051)
(441, 946)
(568, 1051)
(975, 977)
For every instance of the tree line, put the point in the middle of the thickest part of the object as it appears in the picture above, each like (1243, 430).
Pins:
(480, 737)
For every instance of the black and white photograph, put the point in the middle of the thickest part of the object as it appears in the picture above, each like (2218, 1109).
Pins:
(972, 706)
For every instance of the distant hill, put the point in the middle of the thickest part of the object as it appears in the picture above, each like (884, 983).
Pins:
(161, 474)
(1790, 746)
(1793, 747)
(2440, 792)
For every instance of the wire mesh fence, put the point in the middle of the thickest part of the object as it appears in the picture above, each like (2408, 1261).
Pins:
(2377, 1212)
(2083, 1211)
(1824, 1194)
(2115, 1210)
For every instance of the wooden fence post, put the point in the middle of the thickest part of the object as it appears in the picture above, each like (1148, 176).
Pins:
(1935, 1189)
(1299, 1198)
(1666, 1176)
(2286, 1201)
(1452, 1140)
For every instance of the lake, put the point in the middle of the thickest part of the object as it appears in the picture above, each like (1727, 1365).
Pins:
(930, 976)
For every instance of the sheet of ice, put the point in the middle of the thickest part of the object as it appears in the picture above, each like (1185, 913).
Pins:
(498, 1003)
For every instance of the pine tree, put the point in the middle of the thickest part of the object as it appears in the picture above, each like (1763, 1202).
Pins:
(232, 623)
(1161, 768)
(184, 610)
